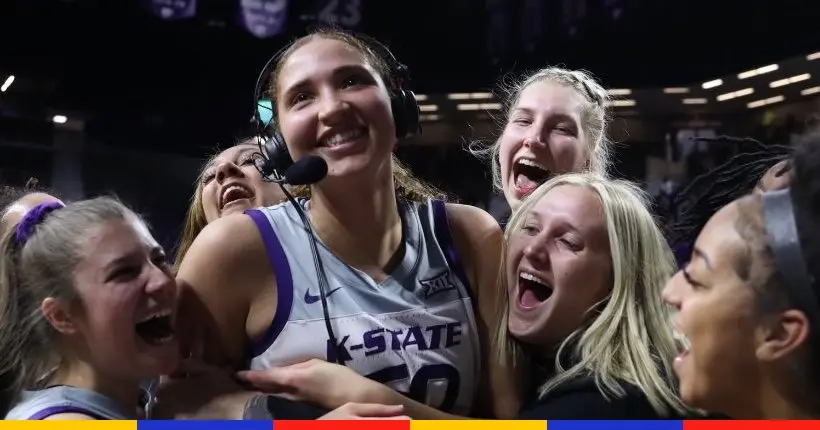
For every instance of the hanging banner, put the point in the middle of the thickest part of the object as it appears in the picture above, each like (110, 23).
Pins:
(263, 18)
(497, 35)
(533, 24)
(343, 13)
(171, 10)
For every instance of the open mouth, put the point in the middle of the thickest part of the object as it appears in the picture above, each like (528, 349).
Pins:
(235, 192)
(532, 290)
(156, 329)
(342, 137)
(528, 175)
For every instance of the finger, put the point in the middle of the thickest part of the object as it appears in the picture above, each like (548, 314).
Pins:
(280, 376)
(400, 417)
(374, 410)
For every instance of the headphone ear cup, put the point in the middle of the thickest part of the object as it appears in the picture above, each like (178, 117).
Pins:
(406, 114)
(277, 153)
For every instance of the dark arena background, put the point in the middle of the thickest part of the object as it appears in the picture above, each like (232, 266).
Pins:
(128, 97)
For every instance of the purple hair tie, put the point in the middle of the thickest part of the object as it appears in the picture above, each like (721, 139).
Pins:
(33, 218)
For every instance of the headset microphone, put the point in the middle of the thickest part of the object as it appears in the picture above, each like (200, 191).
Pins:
(306, 171)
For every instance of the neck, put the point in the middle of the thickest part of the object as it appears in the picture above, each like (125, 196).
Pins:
(80, 374)
(358, 221)
(774, 404)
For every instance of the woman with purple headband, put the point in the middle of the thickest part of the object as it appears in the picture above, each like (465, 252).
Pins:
(87, 306)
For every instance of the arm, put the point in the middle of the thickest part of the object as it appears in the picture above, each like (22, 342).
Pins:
(70, 416)
(223, 271)
(480, 243)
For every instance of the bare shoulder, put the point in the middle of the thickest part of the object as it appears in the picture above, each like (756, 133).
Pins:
(70, 416)
(223, 240)
(474, 224)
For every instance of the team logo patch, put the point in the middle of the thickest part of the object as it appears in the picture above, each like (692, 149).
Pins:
(437, 284)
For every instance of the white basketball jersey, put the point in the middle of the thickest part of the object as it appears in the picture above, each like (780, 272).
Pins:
(414, 332)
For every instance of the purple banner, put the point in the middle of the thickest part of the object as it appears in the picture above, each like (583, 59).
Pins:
(171, 10)
(344, 13)
(263, 18)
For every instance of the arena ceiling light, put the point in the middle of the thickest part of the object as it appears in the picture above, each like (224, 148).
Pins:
(676, 90)
(712, 84)
(619, 92)
(735, 94)
(758, 71)
(59, 119)
(428, 108)
(695, 101)
(468, 96)
(791, 80)
(7, 83)
(814, 56)
(810, 91)
(765, 102)
(621, 103)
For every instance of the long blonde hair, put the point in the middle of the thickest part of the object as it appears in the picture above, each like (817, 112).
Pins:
(628, 336)
(594, 118)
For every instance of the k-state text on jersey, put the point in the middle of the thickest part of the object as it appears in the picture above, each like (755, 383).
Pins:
(380, 340)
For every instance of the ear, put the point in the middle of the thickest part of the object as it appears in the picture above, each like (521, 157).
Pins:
(786, 332)
(58, 315)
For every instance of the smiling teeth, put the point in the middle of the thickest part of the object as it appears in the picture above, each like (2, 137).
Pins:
(533, 163)
(233, 188)
(157, 314)
(339, 138)
(530, 277)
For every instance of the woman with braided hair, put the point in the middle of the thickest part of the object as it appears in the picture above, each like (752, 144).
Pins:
(760, 167)
(747, 303)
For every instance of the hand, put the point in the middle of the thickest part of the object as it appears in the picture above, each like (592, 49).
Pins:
(366, 411)
(205, 392)
(317, 381)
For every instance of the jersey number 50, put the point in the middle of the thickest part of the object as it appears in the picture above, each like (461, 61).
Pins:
(427, 379)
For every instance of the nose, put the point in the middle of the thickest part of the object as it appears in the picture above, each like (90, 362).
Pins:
(160, 282)
(536, 137)
(332, 108)
(537, 250)
(671, 292)
(227, 169)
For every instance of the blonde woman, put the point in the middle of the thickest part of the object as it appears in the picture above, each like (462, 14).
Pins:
(584, 321)
(555, 122)
(584, 271)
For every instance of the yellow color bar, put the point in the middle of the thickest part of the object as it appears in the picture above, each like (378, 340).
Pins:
(478, 425)
(68, 425)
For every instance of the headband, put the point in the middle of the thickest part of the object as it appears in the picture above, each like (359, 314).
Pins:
(781, 229)
(34, 217)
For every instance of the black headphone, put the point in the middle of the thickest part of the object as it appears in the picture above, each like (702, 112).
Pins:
(274, 157)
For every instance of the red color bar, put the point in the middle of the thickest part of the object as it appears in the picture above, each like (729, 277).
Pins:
(343, 425)
(750, 425)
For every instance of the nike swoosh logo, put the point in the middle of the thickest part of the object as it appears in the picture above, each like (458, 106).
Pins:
(310, 299)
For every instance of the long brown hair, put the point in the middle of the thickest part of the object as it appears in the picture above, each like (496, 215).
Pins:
(408, 187)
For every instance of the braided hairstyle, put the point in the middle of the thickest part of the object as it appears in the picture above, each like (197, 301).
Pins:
(709, 192)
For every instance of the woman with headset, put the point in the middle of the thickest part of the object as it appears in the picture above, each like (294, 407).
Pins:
(366, 269)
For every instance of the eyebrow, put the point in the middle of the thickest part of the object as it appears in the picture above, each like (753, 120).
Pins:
(238, 154)
(699, 253)
(348, 68)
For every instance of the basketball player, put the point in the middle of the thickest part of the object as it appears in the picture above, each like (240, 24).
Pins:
(748, 304)
(228, 183)
(412, 281)
(556, 121)
(86, 312)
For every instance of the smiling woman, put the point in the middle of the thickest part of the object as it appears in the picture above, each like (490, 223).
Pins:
(396, 259)
(555, 122)
(584, 267)
(229, 183)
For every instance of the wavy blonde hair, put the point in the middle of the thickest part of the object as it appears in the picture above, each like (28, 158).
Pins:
(628, 336)
(594, 118)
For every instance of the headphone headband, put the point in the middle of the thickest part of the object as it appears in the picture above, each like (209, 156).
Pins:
(784, 240)
(273, 157)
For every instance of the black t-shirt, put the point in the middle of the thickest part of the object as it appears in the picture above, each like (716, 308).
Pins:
(580, 399)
